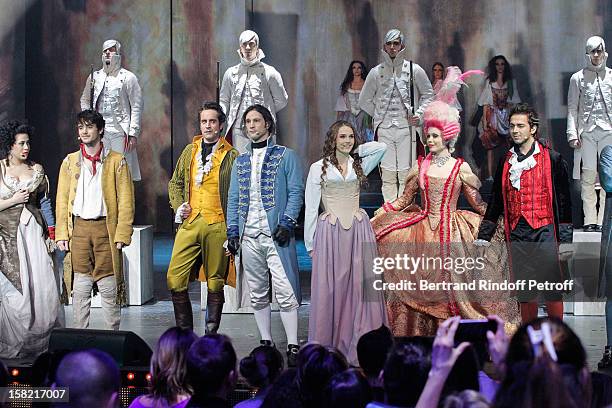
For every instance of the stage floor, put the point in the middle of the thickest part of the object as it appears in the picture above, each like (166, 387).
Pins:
(152, 319)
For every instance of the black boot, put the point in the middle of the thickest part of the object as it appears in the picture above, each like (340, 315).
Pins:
(183, 315)
(606, 361)
(292, 352)
(214, 308)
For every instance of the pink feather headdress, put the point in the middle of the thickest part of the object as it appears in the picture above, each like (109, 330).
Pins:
(440, 114)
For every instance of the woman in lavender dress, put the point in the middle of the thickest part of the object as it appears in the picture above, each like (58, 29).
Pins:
(341, 242)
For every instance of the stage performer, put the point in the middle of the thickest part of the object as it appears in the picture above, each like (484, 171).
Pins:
(265, 198)
(497, 98)
(118, 97)
(341, 243)
(95, 211)
(605, 258)
(29, 292)
(438, 230)
(198, 195)
(531, 192)
(251, 82)
(395, 94)
(589, 126)
(437, 73)
(347, 105)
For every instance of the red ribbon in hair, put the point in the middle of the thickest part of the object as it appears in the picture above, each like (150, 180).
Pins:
(95, 158)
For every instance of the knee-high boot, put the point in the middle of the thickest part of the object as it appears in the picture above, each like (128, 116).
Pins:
(214, 308)
(183, 315)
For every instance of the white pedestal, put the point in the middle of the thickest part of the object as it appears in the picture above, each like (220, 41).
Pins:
(586, 259)
(137, 268)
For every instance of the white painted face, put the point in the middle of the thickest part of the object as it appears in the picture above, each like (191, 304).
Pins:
(393, 47)
(597, 55)
(249, 50)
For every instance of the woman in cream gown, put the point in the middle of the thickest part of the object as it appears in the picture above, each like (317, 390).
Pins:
(29, 295)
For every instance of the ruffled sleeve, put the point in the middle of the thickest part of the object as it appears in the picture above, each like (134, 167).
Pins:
(313, 200)
(470, 187)
(341, 104)
(486, 96)
(371, 154)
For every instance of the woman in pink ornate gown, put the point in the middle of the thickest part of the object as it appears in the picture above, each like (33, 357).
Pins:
(438, 230)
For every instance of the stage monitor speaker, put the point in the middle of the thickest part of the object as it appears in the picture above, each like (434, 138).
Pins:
(126, 347)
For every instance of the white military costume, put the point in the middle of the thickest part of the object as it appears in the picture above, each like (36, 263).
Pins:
(589, 120)
(118, 98)
(386, 97)
(250, 83)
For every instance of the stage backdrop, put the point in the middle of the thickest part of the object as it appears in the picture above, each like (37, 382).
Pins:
(173, 45)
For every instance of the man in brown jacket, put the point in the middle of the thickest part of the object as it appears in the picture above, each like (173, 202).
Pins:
(95, 211)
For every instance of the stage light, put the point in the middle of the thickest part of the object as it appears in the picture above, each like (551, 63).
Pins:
(130, 376)
(148, 377)
(14, 372)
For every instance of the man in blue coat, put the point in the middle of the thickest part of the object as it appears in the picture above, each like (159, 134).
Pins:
(265, 198)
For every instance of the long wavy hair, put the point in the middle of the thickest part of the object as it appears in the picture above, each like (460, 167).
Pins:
(168, 364)
(492, 71)
(348, 78)
(329, 151)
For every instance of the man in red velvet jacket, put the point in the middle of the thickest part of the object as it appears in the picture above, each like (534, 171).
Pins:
(531, 192)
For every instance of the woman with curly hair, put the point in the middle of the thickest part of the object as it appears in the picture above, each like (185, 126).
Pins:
(347, 105)
(169, 385)
(341, 243)
(29, 295)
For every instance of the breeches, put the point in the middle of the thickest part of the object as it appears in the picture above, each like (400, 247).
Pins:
(194, 241)
(398, 156)
(91, 248)
(261, 263)
(592, 144)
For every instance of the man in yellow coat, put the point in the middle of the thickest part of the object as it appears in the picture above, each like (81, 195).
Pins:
(198, 195)
(95, 211)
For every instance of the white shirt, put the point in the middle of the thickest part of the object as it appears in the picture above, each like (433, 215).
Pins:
(257, 219)
(89, 186)
(371, 154)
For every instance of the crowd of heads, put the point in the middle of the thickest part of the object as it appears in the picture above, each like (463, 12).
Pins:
(394, 372)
